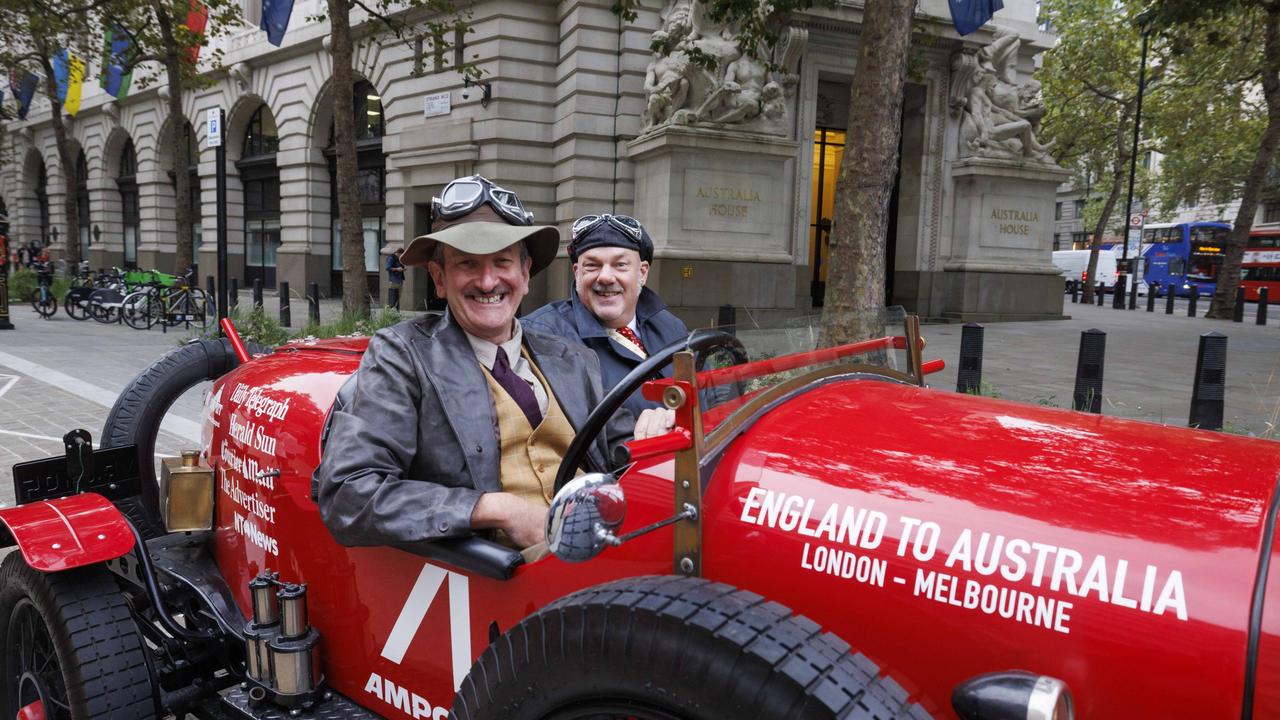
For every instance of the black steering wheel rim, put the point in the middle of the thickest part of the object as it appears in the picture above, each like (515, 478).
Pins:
(698, 341)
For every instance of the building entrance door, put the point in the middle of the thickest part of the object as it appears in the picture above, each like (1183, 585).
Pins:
(828, 149)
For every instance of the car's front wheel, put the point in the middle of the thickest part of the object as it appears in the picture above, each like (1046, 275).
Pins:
(70, 647)
(671, 648)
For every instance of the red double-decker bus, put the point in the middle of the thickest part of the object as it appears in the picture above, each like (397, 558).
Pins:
(1261, 265)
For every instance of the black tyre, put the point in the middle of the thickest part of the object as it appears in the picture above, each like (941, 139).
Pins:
(70, 644)
(139, 310)
(76, 302)
(45, 303)
(136, 416)
(668, 648)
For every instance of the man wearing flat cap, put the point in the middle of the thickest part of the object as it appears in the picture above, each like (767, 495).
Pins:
(610, 310)
(458, 423)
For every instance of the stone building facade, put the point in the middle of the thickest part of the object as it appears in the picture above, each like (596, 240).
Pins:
(739, 204)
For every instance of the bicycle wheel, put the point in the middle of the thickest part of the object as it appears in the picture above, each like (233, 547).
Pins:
(45, 303)
(138, 310)
(104, 305)
(201, 311)
(76, 302)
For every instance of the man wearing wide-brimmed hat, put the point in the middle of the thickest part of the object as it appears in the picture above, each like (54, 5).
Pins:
(458, 423)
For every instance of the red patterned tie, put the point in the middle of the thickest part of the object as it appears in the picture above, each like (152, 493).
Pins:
(629, 334)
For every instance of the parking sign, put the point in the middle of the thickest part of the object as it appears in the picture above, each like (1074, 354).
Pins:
(213, 138)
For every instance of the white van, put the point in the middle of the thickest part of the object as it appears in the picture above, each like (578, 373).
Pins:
(1074, 263)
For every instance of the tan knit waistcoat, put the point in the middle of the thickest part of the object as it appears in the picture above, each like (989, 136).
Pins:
(530, 456)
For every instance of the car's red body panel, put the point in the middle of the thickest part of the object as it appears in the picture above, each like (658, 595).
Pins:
(69, 532)
(1181, 512)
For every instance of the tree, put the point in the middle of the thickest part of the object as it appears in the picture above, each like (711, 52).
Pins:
(1090, 82)
(441, 19)
(158, 33)
(1221, 120)
(855, 269)
(30, 34)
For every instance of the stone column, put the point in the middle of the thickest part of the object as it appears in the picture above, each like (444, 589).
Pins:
(1002, 237)
(304, 212)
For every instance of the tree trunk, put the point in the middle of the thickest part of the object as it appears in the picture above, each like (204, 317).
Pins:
(67, 159)
(174, 57)
(355, 286)
(1224, 295)
(1117, 181)
(855, 270)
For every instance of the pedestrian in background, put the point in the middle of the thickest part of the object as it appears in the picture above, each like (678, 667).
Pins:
(395, 275)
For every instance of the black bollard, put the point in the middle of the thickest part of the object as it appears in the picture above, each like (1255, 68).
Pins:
(1262, 306)
(1133, 295)
(1075, 291)
(1088, 392)
(1102, 294)
(257, 293)
(210, 286)
(1152, 291)
(1209, 393)
(286, 315)
(969, 379)
(233, 294)
(727, 319)
(1237, 315)
(1169, 294)
(1191, 302)
(393, 297)
(313, 302)
(1117, 294)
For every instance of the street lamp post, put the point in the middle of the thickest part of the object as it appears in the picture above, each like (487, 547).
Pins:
(1133, 168)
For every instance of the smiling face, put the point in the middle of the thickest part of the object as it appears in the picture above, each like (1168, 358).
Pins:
(608, 280)
(484, 291)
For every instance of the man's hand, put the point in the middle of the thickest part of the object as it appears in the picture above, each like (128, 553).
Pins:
(654, 422)
(524, 521)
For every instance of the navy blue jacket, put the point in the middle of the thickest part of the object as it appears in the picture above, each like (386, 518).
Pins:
(569, 318)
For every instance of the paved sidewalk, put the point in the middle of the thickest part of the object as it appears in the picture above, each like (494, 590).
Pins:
(60, 374)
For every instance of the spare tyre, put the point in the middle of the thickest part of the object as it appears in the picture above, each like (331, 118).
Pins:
(135, 418)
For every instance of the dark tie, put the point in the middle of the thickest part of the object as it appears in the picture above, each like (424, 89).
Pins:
(629, 334)
(517, 388)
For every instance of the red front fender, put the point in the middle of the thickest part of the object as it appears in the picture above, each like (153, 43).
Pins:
(67, 533)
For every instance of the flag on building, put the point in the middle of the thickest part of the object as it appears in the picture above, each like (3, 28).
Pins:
(115, 79)
(23, 91)
(68, 76)
(969, 15)
(275, 19)
(197, 19)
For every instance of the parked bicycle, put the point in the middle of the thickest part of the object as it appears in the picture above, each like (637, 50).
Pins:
(158, 303)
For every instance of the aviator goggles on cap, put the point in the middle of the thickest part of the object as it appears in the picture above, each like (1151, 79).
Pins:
(464, 195)
(627, 224)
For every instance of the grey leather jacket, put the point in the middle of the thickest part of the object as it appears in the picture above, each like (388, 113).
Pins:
(409, 458)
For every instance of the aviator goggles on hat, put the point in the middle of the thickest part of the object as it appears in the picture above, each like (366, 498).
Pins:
(464, 195)
(591, 231)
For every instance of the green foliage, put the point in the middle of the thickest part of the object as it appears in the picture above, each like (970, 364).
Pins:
(23, 284)
(254, 325)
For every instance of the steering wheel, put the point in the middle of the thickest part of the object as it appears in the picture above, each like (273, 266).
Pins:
(701, 342)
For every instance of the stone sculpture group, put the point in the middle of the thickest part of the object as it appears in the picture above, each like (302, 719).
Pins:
(1000, 118)
(701, 75)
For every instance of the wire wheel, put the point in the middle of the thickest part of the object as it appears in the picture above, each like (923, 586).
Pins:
(138, 310)
(45, 303)
(70, 646)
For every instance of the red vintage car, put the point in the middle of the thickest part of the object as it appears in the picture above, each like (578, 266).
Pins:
(821, 537)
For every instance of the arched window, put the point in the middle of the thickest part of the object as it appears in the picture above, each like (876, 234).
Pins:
(370, 182)
(127, 182)
(82, 204)
(42, 202)
(261, 180)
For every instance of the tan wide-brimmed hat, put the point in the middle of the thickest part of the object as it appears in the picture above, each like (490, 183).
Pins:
(483, 231)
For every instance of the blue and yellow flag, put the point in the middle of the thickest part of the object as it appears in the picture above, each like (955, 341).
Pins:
(115, 79)
(68, 75)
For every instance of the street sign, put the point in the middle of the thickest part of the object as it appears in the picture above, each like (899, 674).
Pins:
(213, 136)
(1136, 219)
(436, 104)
